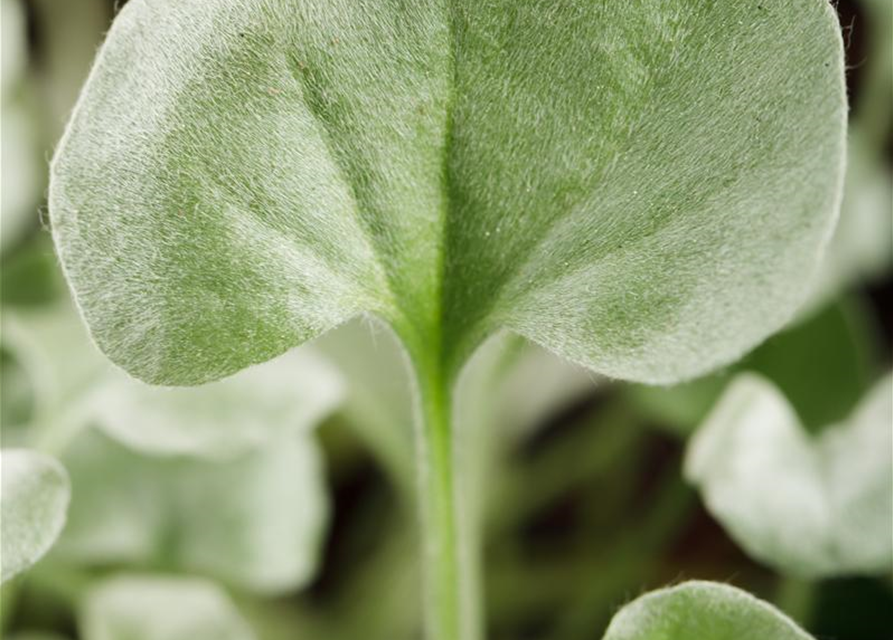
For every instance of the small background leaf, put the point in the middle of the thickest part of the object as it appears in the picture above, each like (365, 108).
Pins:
(160, 608)
(702, 611)
(64, 369)
(810, 506)
(256, 521)
(23, 175)
(74, 385)
(289, 395)
(14, 54)
(32, 507)
(378, 404)
(862, 247)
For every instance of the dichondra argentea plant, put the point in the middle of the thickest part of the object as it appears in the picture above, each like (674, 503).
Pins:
(643, 188)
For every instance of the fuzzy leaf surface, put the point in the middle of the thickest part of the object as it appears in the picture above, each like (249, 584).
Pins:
(643, 190)
(821, 384)
(702, 611)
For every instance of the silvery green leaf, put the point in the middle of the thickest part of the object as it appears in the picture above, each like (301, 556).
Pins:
(133, 607)
(702, 611)
(644, 191)
(813, 506)
(32, 508)
(256, 521)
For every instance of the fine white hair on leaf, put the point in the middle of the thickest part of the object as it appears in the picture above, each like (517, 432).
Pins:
(643, 190)
(702, 610)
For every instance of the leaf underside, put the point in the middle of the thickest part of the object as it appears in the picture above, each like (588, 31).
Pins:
(640, 188)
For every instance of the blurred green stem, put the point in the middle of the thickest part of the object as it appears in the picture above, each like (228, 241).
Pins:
(9, 596)
(631, 562)
(449, 580)
(873, 115)
(607, 440)
(796, 597)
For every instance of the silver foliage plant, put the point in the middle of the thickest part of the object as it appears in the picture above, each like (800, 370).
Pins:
(643, 188)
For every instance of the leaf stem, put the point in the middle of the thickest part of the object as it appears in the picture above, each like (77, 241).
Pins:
(796, 597)
(450, 581)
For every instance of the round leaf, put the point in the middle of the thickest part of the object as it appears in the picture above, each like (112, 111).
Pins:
(702, 611)
(75, 384)
(642, 191)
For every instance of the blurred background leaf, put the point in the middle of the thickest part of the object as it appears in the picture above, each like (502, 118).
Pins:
(703, 610)
(32, 507)
(813, 506)
(160, 608)
(256, 521)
